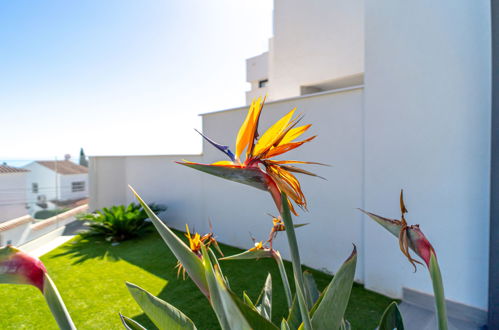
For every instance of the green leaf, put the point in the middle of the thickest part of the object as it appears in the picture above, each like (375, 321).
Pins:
(264, 301)
(56, 304)
(294, 316)
(228, 314)
(345, 325)
(247, 301)
(255, 320)
(284, 278)
(328, 314)
(284, 325)
(307, 323)
(391, 319)
(251, 176)
(255, 254)
(189, 260)
(438, 290)
(231, 311)
(161, 313)
(311, 287)
(131, 324)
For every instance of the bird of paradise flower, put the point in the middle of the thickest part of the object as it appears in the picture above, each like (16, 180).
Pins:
(258, 169)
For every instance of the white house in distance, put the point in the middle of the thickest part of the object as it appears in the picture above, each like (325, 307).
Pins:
(51, 182)
(399, 94)
(13, 198)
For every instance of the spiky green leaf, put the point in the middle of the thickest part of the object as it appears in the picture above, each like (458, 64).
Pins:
(161, 313)
(391, 318)
(264, 301)
(330, 309)
(56, 305)
(189, 260)
(311, 287)
(130, 324)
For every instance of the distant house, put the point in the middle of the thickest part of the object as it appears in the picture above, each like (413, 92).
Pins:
(13, 198)
(55, 183)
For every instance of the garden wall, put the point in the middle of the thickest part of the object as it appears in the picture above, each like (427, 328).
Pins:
(369, 167)
(239, 212)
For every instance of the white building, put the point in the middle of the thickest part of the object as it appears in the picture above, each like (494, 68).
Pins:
(51, 182)
(399, 94)
(13, 199)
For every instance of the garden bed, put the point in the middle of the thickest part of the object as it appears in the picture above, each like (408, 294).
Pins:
(91, 275)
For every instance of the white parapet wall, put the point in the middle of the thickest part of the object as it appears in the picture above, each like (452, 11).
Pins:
(239, 212)
(25, 229)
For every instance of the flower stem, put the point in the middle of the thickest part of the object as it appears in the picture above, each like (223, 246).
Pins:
(287, 289)
(438, 290)
(295, 258)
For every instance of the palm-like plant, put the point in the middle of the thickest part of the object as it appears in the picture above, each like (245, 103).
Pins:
(118, 223)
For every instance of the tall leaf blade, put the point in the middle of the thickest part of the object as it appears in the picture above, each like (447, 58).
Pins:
(161, 313)
(229, 316)
(190, 261)
(285, 325)
(294, 316)
(311, 287)
(230, 309)
(56, 305)
(331, 308)
(130, 324)
(391, 318)
(264, 302)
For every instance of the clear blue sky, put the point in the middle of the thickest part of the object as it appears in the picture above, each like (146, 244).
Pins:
(121, 76)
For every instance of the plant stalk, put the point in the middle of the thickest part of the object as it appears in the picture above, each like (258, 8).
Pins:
(438, 290)
(295, 258)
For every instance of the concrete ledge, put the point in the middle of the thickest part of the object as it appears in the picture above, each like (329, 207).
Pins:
(4, 226)
(455, 311)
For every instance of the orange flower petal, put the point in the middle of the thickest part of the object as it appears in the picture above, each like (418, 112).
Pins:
(287, 147)
(247, 132)
(294, 133)
(274, 133)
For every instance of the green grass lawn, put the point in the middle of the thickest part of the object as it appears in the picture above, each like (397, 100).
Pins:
(91, 275)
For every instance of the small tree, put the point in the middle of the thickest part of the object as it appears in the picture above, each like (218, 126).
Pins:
(83, 158)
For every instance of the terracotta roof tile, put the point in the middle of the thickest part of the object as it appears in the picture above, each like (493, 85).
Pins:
(63, 166)
(10, 169)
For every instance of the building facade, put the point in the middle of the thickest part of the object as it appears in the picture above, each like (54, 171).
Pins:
(50, 183)
(400, 96)
(13, 198)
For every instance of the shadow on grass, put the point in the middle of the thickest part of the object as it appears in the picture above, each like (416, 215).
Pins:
(85, 248)
(150, 253)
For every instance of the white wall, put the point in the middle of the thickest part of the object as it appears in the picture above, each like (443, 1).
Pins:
(12, 195)
(427, 106)
(236, 210)
(65, 188)
(422, 124)
(314, 42)
(257, 69)
(47, 181)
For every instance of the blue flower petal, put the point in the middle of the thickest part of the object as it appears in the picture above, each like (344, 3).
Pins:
(222, 148)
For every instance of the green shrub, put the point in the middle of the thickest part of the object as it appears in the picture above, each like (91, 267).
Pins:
(118, 223)
(45, 214)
